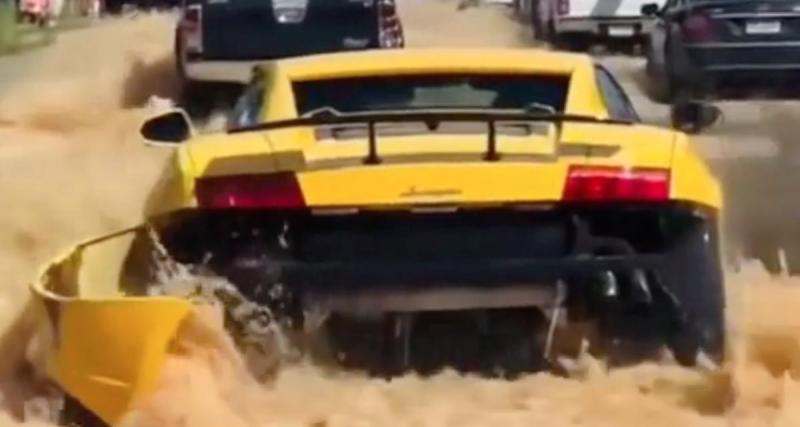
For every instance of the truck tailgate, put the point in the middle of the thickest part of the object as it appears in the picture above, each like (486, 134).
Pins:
(267, 29)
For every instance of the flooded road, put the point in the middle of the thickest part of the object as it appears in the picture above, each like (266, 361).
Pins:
(72, 166)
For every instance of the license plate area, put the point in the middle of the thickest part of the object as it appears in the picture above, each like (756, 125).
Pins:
(621, 30)
(762, 27)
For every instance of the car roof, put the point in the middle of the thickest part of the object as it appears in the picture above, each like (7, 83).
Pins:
(430, 60)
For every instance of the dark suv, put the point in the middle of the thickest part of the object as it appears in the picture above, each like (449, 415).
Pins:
(698, 44)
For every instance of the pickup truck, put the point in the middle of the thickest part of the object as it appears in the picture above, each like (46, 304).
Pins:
(217, 42)
(573, 24)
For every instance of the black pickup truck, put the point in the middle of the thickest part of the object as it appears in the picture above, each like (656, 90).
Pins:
(219, 41)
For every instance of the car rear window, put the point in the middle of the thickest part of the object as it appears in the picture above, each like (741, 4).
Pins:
(432, 91)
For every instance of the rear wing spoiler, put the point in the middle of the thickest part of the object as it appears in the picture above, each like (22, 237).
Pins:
(431, 118)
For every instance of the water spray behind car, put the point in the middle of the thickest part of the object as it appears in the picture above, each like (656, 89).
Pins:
(256, 330)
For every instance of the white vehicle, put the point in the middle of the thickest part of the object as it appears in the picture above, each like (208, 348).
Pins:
(572, 24)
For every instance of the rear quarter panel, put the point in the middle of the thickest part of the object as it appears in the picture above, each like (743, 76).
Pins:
(651, 147)
(692, 179)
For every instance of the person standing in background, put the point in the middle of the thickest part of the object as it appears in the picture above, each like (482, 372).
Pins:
(36, 11)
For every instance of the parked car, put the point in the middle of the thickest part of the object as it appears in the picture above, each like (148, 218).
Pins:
(572, 24)
(696, 45)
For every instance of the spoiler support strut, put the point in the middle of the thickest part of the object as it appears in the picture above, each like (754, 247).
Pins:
(491, 151)
(431, 118)
(372, 157)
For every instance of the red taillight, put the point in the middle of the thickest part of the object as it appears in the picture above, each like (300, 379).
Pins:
(192, 28)
(273, 191)
(600, 183)
(388, 8)
(563, 7)
(391, 32)
(698, 27)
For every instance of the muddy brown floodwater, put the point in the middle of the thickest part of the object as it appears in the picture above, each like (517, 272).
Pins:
(71, 166)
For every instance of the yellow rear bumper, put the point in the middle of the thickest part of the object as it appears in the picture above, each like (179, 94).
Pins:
(105, 351)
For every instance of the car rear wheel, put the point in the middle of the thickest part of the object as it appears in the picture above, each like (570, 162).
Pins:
(687, 310)
(659, 81)
(694, 277)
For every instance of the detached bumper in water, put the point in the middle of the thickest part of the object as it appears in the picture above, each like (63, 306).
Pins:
(105, 350)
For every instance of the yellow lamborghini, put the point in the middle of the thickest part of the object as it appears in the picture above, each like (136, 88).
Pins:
(420, 209)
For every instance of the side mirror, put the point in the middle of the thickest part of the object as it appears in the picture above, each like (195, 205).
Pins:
(167, 129)
(694, 116)
(650, 9)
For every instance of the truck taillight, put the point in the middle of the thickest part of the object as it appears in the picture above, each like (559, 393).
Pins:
(272, 191)
(387, 8)
(698, 27)
(192, 28)
(563, 7)
(608, 183)
(391, 31)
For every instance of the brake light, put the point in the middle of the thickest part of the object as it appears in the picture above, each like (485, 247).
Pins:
(192, 28)
(391, 32)
(273, 191)
(563, 7)
(604, 183)
(698, 27)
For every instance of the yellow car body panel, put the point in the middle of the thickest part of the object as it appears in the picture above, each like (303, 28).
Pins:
(104, 349)
(322, 166)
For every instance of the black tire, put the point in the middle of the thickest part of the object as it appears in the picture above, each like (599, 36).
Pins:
(660, 85)
(685, 80)
(694, 277)
(687, 311)
(74, 414)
